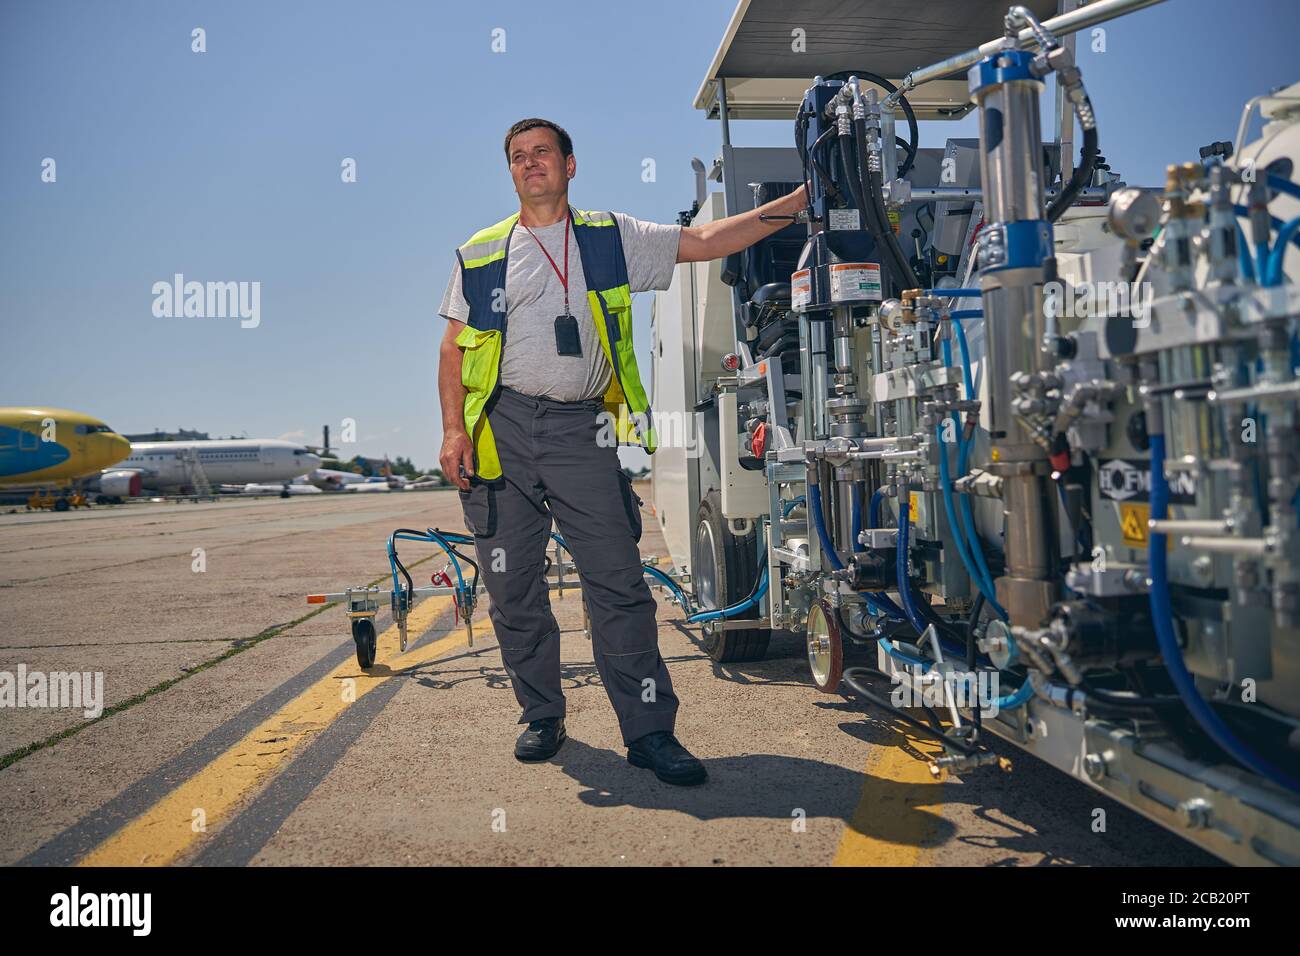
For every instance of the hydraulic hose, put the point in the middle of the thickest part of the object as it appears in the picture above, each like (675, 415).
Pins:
(876, 223)
(1081, 177)
(1163, 619)
(853, 678)
(828, 184)
(871, 185)
(888, 87)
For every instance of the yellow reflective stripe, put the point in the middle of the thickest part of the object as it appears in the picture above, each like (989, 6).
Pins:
(584, 217)
(498, 230)
(475, 263)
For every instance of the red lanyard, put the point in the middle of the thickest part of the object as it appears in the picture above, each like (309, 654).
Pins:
(564, 279)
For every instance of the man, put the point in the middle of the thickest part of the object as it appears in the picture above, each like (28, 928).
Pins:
(539, 383)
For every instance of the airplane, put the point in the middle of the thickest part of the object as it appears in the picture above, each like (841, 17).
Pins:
(295, 487)
(332, 479)
(169, 466)
(54, 448)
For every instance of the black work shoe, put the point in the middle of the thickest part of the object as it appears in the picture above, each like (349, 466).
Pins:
(541, 740)
(671, 762)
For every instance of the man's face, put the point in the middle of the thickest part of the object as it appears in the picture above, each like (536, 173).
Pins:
(537, 166)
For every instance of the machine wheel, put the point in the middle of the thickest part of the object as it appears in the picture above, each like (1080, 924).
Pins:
(61, 504)
(724, 569)
(363, 634)
(825, 647)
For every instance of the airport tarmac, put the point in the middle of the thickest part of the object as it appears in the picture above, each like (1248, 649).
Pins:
(238, 728)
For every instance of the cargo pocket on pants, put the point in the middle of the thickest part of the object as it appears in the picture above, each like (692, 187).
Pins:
(479, 507)
(631, 503)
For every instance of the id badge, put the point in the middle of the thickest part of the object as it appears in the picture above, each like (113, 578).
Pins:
(567, 340)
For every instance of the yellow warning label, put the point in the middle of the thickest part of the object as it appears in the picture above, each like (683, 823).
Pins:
(1133, 524)
(913, 503)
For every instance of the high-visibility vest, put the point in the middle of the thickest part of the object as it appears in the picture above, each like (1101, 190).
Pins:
(483, 281)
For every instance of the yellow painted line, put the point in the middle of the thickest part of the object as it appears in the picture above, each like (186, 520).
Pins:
(900, 807)
(168, 829)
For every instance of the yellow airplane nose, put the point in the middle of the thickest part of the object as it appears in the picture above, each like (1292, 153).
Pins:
(112, 449)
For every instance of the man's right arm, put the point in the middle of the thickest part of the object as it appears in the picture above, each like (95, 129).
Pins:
(457, 447)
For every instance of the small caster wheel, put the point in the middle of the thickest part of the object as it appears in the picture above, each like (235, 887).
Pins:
(363, 635)
(825, 647)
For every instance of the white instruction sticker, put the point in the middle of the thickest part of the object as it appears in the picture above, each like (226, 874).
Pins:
(845, 219)
(855, 282)
(801, 290)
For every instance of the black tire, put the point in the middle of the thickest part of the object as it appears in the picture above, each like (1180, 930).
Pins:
(61, 504)
(363, 635)
(724, 571)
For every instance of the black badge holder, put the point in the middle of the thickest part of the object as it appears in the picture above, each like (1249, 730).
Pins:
(567, 340)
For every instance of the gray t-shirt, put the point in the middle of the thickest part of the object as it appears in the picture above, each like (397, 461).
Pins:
(535, 296)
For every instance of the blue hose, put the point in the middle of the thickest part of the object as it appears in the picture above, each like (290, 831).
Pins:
(759, 590)
(1274, 274)
(945, 483)
(647, 569)
(973, 548)
(898, 655)
(1243, 255)
(1276, 223)
(878, 604)
(1016, 699)
(670, 583)
(967, 378)
(1283, 186)
(1163, 618)
(955, 293)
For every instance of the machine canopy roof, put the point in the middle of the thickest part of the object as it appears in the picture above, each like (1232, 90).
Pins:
(766, 72)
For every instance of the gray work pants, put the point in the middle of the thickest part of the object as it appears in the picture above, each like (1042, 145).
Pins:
(553, 466)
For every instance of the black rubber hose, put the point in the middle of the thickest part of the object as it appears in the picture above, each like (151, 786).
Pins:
(912, 129)
(850, 677)
(1081, 177)
(885, 232)
(801, 146)
(451, 550)
(971, 622)
(828, 184)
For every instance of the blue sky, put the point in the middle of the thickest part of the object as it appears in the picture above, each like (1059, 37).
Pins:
(225, 166)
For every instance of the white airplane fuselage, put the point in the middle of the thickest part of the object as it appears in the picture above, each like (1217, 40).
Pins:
(163, 465)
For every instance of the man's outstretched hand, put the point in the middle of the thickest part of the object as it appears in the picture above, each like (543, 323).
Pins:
(457, 453)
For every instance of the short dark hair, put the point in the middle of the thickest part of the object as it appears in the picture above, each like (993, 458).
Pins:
(566, 144)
